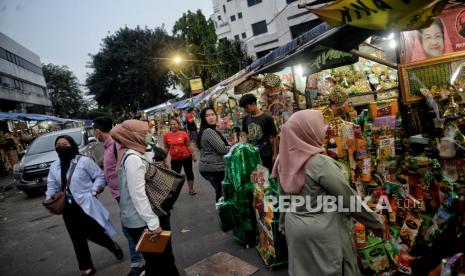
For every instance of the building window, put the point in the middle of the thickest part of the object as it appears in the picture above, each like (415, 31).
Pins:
(22, 86)
(239, 15)
(253, 2)
(236, 37)
(4, 54)
(224, 8)
(259, 28)
(219, 17)
(233, 18)
(244, 35)
(9, 57)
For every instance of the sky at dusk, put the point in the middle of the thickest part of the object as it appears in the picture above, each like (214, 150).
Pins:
(65, 32)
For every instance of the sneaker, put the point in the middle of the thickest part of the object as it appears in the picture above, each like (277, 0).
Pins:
(136, 271)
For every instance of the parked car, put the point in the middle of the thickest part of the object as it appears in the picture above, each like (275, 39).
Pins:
(31, 172)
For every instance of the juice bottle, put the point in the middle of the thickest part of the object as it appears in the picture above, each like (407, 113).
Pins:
(331, 146)
(366, 169)
(360, 235)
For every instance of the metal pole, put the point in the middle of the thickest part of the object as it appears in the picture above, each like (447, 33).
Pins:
(294, 86)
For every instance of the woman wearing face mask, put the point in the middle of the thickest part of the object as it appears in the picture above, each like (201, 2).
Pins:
(179, 146)
(85, 217)
(136, 212)
(213, 146)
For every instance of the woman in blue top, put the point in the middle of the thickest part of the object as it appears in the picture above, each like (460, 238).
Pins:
(85, 217)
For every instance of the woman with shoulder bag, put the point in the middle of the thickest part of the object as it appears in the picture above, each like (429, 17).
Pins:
(136, 212)
(213, 146)
(84, 216)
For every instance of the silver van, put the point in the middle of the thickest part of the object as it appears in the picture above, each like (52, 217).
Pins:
(31, 172)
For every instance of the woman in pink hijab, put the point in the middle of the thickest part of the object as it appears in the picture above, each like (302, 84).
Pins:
(320, 242)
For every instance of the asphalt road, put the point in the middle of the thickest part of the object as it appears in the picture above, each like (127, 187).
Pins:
(33, 242)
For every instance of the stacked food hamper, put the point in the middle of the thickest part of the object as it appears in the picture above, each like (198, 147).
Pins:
(236, 211)
(271, 243)
(419, 194)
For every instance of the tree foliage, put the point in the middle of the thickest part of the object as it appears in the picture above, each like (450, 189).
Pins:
(208, 59)
(65, 94)
(128, 74)
(232, 56)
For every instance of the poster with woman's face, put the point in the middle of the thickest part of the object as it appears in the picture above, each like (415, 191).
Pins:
(445, 35)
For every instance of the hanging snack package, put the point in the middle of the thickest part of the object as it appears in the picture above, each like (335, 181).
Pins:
(394, 231)
(383, 108)
(404, 263)
(409, 233)
(392, 250)
(374, 255)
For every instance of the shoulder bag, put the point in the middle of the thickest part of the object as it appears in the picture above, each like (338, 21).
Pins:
(56, 204)
(162, 187)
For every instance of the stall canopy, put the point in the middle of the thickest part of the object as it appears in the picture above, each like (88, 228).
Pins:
(156, 108)
(9, 116)
(302, 48)
(190, 102)
(32, 117)
(213, 91)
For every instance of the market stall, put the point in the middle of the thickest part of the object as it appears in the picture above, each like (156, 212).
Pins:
(18, 130)
(396, 131)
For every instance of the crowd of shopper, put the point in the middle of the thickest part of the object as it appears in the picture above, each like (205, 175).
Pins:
(318, 244)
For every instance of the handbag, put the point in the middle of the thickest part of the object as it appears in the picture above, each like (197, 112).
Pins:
(56, 204)
(162, 187)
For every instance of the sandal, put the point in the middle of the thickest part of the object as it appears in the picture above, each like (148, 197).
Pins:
(192, 193)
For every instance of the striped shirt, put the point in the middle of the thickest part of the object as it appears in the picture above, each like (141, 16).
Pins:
(212, 151)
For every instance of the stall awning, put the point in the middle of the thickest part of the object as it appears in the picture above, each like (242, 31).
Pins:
(156, 108)
(321, 37)
(32, 117)
(9, 116)
(189, 102)
(284, 50)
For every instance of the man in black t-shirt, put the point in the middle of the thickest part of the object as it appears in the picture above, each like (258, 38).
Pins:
(260, 130)
(191, 126)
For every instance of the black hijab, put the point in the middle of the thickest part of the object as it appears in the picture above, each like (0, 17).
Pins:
(65, 160)
(204, 125)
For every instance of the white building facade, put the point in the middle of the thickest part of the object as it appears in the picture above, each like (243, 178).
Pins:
(22, 82)
(262, 25)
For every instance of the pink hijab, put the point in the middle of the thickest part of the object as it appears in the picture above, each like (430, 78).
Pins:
(130, 135)
(419, 54)
(301, 139)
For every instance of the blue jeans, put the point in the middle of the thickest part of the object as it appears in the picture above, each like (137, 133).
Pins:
(137, 260)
